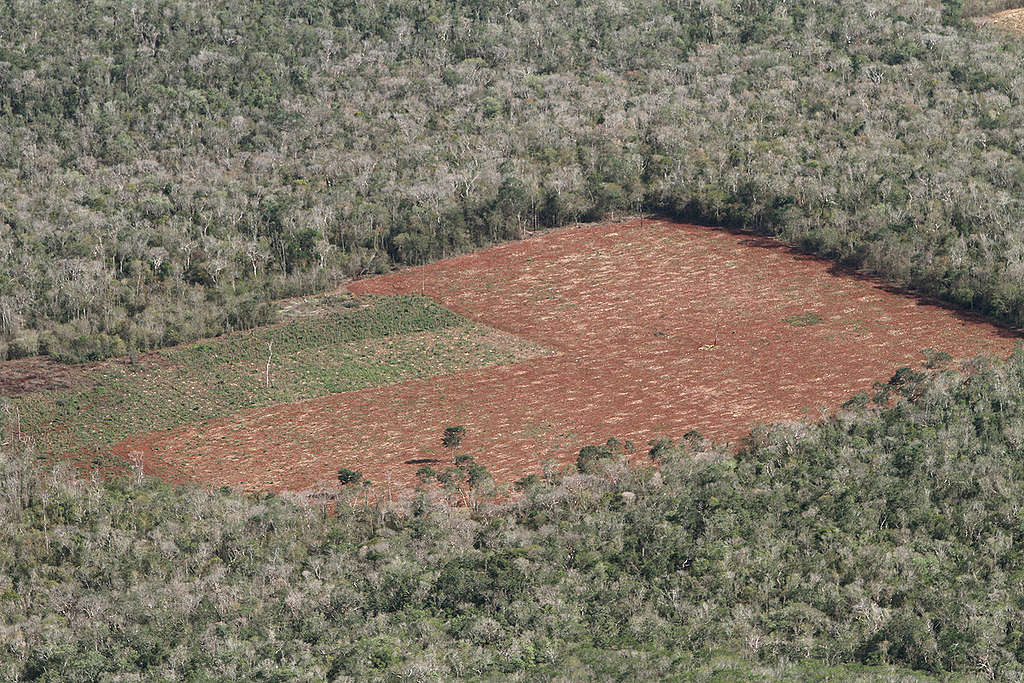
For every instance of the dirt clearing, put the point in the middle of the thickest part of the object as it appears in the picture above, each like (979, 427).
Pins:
(1011, 20)
(659, 329)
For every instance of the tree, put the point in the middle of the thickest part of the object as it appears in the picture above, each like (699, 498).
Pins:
(347, 476)
(453, 436)
(590, 458)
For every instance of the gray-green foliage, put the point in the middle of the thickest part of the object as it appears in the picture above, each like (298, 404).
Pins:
(889, 535)
(167, 166)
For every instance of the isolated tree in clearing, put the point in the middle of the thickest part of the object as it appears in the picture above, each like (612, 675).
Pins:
(347, 476)
(453, 436)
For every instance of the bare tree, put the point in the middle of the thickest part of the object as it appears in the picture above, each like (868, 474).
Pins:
(270, 356)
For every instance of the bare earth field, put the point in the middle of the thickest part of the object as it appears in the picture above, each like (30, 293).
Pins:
(658, 330)
(1011, 20)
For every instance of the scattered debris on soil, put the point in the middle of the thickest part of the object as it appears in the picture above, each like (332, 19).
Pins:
(40, 373)
(1011, 20)
(26, 375)
(314, 305)
(660, 328)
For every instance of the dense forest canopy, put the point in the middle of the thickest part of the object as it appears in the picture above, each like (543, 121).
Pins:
(167, 167)
(888, 535)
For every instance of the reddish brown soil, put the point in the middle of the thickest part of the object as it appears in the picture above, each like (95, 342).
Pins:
(659, 329)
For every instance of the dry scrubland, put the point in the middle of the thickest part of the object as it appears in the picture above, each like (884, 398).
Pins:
(721, 331)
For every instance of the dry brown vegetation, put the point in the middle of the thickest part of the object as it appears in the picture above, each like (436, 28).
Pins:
(1011, 19)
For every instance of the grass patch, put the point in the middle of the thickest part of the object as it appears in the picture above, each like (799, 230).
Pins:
(804, 319)
(393, 339)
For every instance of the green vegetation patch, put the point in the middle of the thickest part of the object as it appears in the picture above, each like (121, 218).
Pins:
(392, 339)
(804, 319)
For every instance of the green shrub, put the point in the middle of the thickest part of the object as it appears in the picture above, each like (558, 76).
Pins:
(348, 476)
(26, 344)
(591, 458)
(453, 436)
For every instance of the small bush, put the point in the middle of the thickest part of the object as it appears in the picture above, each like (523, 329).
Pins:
(453, 436)
(590, 458)
(347, 476)
(934, 359)
(804, 319)
(26, 344)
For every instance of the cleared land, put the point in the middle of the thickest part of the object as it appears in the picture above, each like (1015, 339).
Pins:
(660, 329)
(84, 412)
(1011, 20)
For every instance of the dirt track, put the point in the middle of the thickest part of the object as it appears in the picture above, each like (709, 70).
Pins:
(659, 330)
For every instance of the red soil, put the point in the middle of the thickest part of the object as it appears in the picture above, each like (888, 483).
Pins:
(660, 329)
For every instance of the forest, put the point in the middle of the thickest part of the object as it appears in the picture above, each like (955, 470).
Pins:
(884, 542)
(168, 167)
